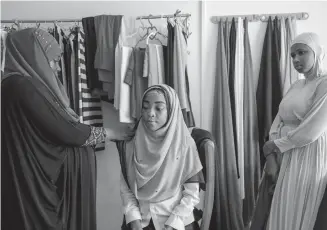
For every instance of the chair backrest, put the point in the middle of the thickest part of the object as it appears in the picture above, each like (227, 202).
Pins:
(207, 148)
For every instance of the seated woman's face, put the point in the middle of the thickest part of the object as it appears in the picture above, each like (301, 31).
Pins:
(154, 110)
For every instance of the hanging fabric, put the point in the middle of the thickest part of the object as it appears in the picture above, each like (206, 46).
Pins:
(91, 109)
(268, 95)
(3, 49)
(283, 51)
(231, 82)
(252, 171)
(239, 94)
(90, 50)
(107, 28)
(153, 68)
(180, 74)
(59, 34)
(227, 31)
(134, 78)
(228, 200)
(75, 95)
(123, 52)
(289, 72)
(169, 71)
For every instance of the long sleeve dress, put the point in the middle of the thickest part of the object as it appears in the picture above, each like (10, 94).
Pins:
(48, 165)
(299, 131)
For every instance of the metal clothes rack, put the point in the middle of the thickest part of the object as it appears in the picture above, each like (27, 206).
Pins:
(16, 21)
(260, 17)
(40, 20)
(176, 14)
(163, 16)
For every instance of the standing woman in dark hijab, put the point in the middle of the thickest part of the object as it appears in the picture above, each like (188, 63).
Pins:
(48, 165)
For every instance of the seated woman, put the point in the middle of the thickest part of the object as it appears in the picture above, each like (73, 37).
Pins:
(161, 168)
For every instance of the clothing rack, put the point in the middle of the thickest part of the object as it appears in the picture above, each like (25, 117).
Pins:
(163, 16)
(259, 17)
(16, 21)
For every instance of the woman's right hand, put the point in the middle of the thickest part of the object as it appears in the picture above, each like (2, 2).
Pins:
(272, 167)
(136, 225)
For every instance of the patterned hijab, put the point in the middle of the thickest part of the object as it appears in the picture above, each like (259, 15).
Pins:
(312, 40)
(162, 160)
(28, 52)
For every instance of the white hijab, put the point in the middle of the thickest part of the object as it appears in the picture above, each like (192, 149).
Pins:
(160, 162)
(312, 40)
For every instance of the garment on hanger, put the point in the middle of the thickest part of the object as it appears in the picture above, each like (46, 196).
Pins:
(180, 74)
(74, 76)
(90, 105)
(169, 59)
(107, 28)
(90, 50)
(60, 37)
(153, 67)
(134, 78)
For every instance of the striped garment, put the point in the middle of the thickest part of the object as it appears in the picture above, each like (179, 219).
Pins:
(90, 106)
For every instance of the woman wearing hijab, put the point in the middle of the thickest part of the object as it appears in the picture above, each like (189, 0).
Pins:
(161, 168)
(297, 150)
(48, 166)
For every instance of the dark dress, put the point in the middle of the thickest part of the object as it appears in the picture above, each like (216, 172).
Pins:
(48, 181)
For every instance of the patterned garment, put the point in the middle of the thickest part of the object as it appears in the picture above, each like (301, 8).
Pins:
(90, 106)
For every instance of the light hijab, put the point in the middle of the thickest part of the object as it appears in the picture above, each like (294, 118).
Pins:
(162, 161)
(28, 53)
(312, 40)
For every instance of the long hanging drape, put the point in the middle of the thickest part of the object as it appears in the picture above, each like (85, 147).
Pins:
(231, 84)
(252, 172)
(268, 94)
(239, 88)
(228, 202)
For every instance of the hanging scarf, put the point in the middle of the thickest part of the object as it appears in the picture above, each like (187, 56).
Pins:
(28, 53)
(160, 162)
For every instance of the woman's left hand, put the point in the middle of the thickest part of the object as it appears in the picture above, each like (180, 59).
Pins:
(270, 147)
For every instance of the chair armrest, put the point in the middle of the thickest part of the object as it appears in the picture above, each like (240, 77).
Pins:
(210, 183)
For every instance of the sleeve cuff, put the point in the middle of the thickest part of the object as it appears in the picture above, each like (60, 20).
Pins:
(133, 215)
(284, 144)
(175, 222)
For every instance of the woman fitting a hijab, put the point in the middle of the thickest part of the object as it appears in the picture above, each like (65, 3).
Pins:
(297, 150)
(48, 166)
(161, 168)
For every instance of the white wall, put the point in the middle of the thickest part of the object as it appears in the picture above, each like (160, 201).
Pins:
(315, 23)
(109, 214)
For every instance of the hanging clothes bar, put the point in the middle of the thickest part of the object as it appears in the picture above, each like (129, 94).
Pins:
(163, 16)
(298, 16)
(259, 17)
(40, 20)
(229, 18)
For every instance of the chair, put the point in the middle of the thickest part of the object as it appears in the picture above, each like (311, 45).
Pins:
(206, 147)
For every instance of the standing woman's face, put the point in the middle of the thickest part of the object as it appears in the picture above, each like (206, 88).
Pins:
(303, 57)
(154, 110)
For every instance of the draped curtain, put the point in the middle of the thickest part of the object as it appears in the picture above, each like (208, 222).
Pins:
(235, 128)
